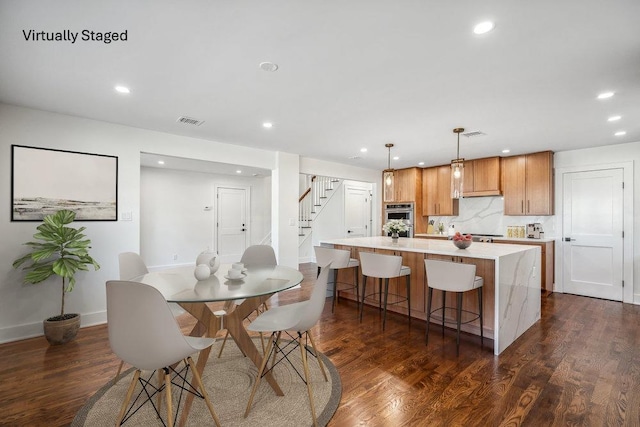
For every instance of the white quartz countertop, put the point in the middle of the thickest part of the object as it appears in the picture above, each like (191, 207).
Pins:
(433, 246)
(515, 240)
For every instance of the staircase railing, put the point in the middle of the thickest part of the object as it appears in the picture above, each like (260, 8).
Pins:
(311, 200)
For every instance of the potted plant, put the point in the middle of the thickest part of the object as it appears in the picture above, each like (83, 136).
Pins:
(62, 251)
(395, 226)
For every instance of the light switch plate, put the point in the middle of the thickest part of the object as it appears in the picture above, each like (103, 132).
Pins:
(126, 216)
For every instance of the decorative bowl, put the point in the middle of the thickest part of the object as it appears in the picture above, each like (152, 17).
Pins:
(462, 244)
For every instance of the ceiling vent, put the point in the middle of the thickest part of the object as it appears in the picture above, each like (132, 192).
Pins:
(189, 121)
(474, 133)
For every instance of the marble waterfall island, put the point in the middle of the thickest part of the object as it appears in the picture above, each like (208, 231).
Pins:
(511, 292)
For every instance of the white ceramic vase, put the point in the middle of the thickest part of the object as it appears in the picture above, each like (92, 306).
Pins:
(209, 258)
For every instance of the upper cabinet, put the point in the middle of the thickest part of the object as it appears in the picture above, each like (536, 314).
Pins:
(527, 184)
(436, 192)
(407, 185)
(482, 177)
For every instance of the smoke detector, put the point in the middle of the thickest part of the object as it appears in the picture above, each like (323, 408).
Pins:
(189, 121)
(268, 66)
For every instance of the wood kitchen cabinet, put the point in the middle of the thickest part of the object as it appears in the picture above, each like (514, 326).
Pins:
(527, 184)
(436, 192)
(407, 185)
(482, 177)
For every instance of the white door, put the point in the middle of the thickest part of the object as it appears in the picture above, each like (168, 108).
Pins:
(232, 223)
(357, 212)
(592, 227)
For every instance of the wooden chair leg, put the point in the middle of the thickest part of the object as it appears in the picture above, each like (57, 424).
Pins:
(315, 352)
(307, 379)
(167, 395)
(198, 380)
(115, 379)
(159, 395)
(127, 398)
(259, 376)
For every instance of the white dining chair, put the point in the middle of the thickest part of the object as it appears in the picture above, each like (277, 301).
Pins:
(254, 257)
(299, 317)
(385, 267)
(144, 333)
(338, 259)
(454, 277)
(131, 265)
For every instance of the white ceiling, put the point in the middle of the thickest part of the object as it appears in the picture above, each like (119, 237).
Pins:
(352, 74)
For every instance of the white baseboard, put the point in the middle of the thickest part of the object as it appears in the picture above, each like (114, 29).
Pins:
(32, 330)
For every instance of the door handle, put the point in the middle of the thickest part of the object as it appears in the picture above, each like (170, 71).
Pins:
(242, 229)
(569, 239)
(348, 231)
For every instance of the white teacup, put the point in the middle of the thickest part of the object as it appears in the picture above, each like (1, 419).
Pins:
(235, 273)
(237, 266)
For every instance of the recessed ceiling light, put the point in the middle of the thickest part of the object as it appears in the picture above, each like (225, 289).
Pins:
(363, 150)
(267, 125)
(620, 133)
(161, 162)
(506, 150)
(605, 95)
(268, 66)
(614, 118)
(395, 157)
(238, 171)
(122, 89)
(484, 27)
(420, 163)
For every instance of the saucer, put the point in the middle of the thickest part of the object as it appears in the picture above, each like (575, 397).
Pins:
(226, 276)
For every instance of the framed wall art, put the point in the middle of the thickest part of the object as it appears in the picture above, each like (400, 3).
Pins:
(45, 180)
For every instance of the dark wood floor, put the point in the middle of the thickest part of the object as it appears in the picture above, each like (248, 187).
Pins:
(580, 365)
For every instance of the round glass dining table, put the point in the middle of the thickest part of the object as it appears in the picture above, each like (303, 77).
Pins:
(179, 285)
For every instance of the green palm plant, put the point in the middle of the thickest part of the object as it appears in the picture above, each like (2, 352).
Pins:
(59, 250)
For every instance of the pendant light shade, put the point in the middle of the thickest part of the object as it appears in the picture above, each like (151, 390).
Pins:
(457, 170)
(388, 179)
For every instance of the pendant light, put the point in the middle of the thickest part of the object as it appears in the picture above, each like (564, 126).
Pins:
(457, 170)
(388, 178)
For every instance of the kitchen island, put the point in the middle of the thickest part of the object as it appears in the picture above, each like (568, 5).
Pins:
(511, 292)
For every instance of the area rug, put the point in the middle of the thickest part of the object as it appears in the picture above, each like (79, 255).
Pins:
(228, 381)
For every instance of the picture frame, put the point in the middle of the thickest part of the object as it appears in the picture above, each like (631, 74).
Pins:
(45, 180)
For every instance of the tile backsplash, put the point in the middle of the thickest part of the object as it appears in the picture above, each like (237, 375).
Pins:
(485, 215)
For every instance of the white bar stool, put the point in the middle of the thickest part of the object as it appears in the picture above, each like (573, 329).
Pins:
(384, 267)
(338, 259)
(453, 277)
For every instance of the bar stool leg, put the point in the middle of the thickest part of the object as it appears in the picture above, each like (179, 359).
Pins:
(335, 289)
(409, 298)
(355, 279)
(386, 294)
(429, 297)
(459, 321)
(444, 298)
(380, 294)
(480, 312)
(364, 293)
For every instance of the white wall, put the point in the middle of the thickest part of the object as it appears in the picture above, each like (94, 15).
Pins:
(24, 307)
(173, 216)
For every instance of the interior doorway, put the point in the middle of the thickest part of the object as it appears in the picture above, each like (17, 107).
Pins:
(232, 222)
(592, 241)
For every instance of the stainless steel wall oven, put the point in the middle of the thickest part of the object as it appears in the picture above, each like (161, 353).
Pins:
(402, 211)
